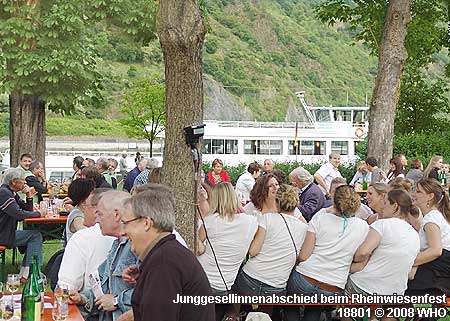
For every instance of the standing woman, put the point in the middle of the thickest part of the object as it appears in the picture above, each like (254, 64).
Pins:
(433, 168)
(217, 175)
(327, 252)
(387, 255)
(433, 272)
(229, 237)
(375, 199)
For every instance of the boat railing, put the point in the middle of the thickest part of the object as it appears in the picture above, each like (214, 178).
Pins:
(256, 124)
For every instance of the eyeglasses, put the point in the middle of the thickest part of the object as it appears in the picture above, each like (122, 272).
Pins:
(129, 221)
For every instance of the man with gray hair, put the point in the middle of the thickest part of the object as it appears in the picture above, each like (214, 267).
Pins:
(131, 176)
(327, 172)
(116, 297)
(168, 269)
(310, 195)
(37, 180)
(142, 178)
(12, 210)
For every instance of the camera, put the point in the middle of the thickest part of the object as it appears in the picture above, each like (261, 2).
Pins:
(192, 134)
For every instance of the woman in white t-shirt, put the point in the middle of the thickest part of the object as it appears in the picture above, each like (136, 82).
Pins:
(392, 242)
(229, 237)
(327, 252)
(433, 272)
(263, 196)
(273, 251)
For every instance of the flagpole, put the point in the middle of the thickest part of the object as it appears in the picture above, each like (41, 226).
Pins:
(296, 141)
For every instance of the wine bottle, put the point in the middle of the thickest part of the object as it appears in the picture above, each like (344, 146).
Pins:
(31, 297)
(40, 281)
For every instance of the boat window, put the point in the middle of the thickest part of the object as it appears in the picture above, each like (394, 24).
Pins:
(220, 146)
(322, 115)
(263, 147)
(206, 146)
(342, 115)
(339, 147)
(231, 146)
(307, 147)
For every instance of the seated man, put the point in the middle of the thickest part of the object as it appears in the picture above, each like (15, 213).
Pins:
(85, 250)
(310, 195)
(12, 210)
(327, 172)
(117, 294)
(168, 269)
(37, 180)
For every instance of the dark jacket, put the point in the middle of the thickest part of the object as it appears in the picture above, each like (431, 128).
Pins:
(33, 181)
(12, 210)
(311, 201)
(100, 182)
(131, 176)
(167, 270)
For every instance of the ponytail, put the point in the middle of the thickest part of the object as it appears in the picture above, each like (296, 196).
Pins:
(444, 206)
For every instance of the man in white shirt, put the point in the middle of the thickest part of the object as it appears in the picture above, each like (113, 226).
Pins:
(246, 181)
(85, 251)
(268, 166)
(327, 172)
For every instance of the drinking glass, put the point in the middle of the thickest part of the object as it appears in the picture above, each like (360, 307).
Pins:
(61, 293)
(7, 308)
(13, 283)
(60, 310)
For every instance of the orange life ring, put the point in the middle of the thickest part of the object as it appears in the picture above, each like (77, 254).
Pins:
(359, 132)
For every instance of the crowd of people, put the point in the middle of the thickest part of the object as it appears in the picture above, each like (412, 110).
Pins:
(261, 237)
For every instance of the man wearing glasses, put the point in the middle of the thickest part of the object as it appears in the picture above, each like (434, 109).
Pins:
(168, 269)
(116, 297)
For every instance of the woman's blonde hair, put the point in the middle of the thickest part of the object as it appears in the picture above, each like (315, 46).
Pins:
(287, 197)
(346, 200)
(401, 183)
(430, 166)
(223, 200)
(379, 187)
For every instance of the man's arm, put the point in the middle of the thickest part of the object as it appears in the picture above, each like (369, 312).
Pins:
(34, 182)
(73, 264)
(12, 208)
(321, 182)
(309, 207)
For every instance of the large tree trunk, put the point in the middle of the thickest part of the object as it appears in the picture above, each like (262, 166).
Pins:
(26, 127)
(181, 32)
(391, 61)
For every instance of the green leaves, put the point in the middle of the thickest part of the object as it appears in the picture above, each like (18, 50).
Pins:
(47, 48)
(144, 109)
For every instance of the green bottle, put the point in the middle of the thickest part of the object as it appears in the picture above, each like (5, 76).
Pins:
(31, 297)
(364, 183)
(40, 281)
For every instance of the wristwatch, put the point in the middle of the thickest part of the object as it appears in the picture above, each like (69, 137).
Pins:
(116, 301)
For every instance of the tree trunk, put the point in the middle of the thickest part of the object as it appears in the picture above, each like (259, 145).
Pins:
(391, 61)
(26, 127)
(181, 31)
(151, 148)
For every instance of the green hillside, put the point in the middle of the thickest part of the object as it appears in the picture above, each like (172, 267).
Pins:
(261, 52)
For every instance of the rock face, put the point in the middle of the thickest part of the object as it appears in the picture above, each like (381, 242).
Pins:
(219, 105)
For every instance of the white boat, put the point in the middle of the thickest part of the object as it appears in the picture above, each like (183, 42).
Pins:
(324, 130)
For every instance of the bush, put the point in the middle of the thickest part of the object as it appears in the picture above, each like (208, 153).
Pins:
(347, 170)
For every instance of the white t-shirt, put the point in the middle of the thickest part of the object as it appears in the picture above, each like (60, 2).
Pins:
(437, 218)
(387, 271)
(250, 209)
(230, 240)
(333, 253)
(84, 252)
(277, 257)
(328, 173)
(244, 185)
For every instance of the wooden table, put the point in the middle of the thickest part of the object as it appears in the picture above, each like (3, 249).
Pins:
(51, 228)
(361, 191)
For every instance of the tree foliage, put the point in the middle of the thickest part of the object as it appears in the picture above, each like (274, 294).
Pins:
(423, 104)
(47, 47)
(145, 110)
